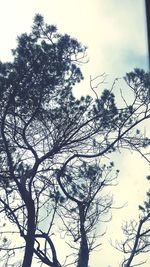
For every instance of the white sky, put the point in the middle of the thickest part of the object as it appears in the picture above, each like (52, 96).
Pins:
(115, 33)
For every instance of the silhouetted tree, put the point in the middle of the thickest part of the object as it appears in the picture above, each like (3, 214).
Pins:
(85, 204)
(46, 133)
(137, 237)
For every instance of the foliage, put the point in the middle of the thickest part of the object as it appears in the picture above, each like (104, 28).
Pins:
(53, 145)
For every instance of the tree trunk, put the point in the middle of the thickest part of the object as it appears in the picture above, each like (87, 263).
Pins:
(83, 254)
(84, 250)
(30, 237)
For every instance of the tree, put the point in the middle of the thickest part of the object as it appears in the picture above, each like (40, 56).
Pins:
(48, 139)
(85, 205)
(137, 237)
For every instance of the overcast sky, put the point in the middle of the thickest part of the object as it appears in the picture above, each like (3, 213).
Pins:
(115, 33)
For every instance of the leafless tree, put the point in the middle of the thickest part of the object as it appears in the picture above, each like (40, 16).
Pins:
(137, 237)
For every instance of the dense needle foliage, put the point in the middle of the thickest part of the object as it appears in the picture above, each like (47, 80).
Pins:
(52, 144)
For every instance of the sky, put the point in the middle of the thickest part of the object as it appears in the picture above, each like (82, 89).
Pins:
(115, 33)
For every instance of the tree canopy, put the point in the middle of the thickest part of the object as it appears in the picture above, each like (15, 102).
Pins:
(53, 146)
